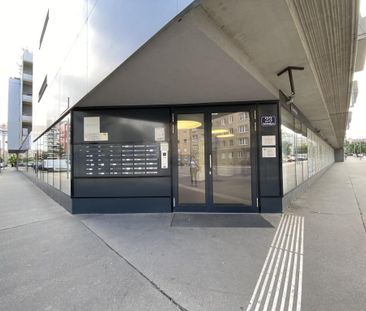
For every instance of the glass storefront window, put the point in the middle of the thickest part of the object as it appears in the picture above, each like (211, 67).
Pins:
(288, 152)
(51, 157)
(56, 156)
(65, 155)
(303, 152)
(299, 153)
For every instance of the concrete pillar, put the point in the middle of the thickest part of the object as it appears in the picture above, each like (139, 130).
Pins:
(339, 155)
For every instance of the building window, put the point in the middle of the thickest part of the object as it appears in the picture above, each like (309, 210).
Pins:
(231, 131)
(42, 89)
(243, 141)
(231, 154)
(231, 143)
(243, 116)
(240, 154)
(222, 121)
(44, 28)
(223, 156)
(224, 143)
(243, 128)
(231, 119)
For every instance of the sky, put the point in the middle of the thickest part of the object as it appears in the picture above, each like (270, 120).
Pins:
(20, 27)
(20, 21)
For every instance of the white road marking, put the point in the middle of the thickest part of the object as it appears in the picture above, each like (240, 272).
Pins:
(294, 269)
(280, 277)
(288, 242)
(264, 285)
(289, 264)
(299, 289)
(274, 274)
(264, 266)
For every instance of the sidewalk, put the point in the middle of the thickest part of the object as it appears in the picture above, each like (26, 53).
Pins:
(51, 260)
(335, 239)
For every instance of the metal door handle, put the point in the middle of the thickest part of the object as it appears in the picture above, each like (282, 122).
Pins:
(210, 162)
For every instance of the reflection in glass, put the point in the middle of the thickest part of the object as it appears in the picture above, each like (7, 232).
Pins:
(299, 153)
(48, 164)
(56, 156)
(288, 151)
(65, 156)
(52, 158)
(191, 158)
(231, 162)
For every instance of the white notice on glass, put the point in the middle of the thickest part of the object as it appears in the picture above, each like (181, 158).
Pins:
(91, 128)
(159, 134)
(268, 152)
(269, 140)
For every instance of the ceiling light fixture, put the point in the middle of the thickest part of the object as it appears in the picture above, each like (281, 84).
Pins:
(225, 136)
(220, 131)
(188, 124)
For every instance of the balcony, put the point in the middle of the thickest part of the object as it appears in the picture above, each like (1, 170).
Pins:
(27, 98)
(27, 56)
(27, 77)
(27, 118)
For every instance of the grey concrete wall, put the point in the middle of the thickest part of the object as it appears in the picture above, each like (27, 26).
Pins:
(339, 155)
(14, 115)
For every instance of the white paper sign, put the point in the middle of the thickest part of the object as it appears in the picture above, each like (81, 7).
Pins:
(159, 134)
(92, 130)
(91, 125)
(103, 136)
(268, 152)
(269, 140)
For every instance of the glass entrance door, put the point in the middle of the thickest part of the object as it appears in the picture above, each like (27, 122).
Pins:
(191, 159)
(214, 161)
(231, 158)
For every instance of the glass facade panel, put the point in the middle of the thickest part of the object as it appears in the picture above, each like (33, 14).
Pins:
(303, 152)
(299, 153)
(65, 155)
(44, 158)
(288, 151)
(56, 156)
(48, 163)
(49, 159)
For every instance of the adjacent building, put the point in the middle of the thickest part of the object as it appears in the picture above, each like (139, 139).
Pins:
(3, 144)
(179, 106)
(20, 101)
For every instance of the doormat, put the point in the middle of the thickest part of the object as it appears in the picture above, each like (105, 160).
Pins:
(220, 220)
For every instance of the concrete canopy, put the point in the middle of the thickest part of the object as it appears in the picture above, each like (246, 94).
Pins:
(223, 51)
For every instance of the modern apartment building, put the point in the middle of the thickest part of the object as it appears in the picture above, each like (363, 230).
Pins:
(180, 106)
(20, 106)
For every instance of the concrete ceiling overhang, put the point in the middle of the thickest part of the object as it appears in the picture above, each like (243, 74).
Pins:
(182, 64)
(318, 35)
(232, 50)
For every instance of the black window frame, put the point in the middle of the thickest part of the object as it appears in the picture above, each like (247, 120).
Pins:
(44, 28)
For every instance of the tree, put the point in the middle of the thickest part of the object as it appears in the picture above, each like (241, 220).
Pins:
(13, 160)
